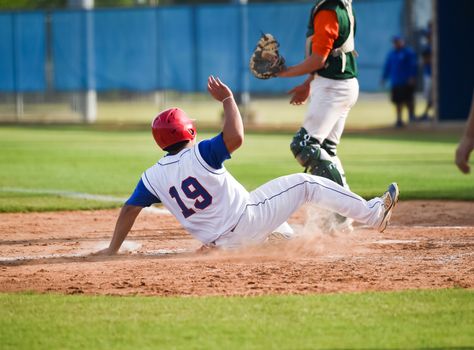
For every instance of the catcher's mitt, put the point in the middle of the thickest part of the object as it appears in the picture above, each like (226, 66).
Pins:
(266, 61)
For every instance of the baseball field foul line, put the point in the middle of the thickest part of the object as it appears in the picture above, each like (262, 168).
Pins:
(78, 195)
(128, 246)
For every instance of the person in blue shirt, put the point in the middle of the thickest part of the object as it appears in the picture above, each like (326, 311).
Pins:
(401, 69)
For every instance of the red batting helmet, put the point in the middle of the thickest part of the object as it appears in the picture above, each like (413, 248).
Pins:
(172, 126)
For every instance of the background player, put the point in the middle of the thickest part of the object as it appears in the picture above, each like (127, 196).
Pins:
(331, 68)
(401, 68)
(193, 184)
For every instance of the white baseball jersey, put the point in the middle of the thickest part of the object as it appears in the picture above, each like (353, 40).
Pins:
(207, 201)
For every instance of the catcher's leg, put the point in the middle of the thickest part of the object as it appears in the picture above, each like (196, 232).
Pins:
(329, 107)
(331, 148)
(341, 223)
(273, 203)
(345, 95)
(309, 153)
(331, 101)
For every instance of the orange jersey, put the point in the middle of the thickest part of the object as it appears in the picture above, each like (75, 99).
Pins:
(326, 31)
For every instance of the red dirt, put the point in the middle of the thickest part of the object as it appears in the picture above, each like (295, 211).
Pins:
(428, 245)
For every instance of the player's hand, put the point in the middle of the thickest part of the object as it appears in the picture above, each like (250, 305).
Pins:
(218, 89)
(463, 153)
(206, 249)
(104, 252)
(300, 94)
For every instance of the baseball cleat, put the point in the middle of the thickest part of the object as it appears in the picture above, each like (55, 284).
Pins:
(283, 232)
(390, 199)
(278, 237)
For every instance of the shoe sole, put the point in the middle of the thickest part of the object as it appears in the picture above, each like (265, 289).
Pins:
(388, 214)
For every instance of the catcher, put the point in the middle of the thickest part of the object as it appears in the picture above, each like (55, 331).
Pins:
(192, 182)
(331, 83)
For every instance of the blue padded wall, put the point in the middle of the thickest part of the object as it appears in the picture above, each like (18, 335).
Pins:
(176, 48)
(22, 52)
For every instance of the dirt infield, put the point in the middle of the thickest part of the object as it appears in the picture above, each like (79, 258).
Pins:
(428, 245)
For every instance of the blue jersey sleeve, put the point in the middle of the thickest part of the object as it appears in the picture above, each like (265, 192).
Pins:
(214, 151)
(141, 197)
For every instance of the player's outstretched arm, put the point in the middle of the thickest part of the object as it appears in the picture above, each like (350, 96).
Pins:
(125, 221)
(466, 145)
(233, 129)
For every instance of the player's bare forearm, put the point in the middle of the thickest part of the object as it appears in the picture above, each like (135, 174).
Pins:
(466, 145)
(301, 92)
(309, 65)
(125, 221)
(233, 129)
(469, 132)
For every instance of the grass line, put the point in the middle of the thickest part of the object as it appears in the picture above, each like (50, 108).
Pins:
(67, 194)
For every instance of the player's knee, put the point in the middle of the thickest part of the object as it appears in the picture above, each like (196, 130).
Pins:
(305, 183)
(297, 143)
(310, 154)
(305, 148)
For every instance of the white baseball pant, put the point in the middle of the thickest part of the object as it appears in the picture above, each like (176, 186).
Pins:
(330, 103)
(271, 205)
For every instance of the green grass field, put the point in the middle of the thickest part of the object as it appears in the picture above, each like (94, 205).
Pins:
(402, 320)
(38, 163)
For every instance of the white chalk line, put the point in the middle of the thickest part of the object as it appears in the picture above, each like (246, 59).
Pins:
(127, 247)
(411, 241)
(436, 227)
(80, 195)
(68, 194)
(157, 210)
(158, 252)
(395, 241)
